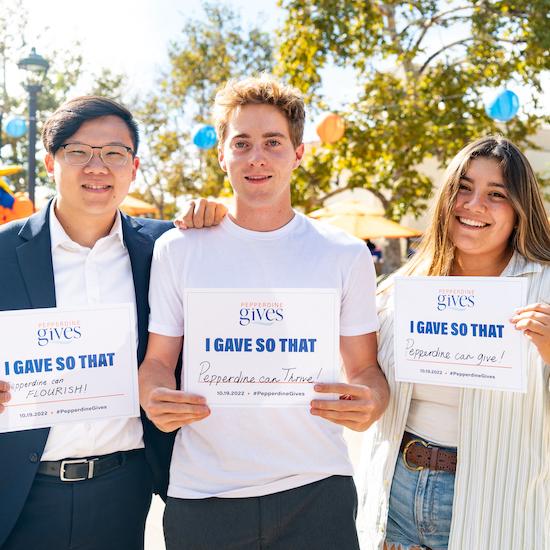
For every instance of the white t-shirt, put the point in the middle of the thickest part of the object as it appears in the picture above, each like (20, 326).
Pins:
(243, 452)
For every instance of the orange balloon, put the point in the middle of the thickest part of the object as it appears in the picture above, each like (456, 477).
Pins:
(22, 207)
(331, 128)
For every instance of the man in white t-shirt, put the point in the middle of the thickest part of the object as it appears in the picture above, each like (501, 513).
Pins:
(275, 477)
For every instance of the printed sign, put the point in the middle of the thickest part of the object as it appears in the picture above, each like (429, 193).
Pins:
(256, 347)
(455, 331)
(68, 364)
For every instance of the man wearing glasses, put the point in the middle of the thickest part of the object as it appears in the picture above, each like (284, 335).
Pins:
(79, 251)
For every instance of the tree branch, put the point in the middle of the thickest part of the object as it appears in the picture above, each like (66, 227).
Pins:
(333, 193)
(429, 25)
(385, 202)
(423, 22)
(463, 41)
(441, 50)
(392, 28)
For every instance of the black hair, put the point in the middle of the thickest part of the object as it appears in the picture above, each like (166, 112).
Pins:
(68, 118)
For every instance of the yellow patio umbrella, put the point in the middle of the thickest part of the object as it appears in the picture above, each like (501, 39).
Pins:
(356, 218)
(136, 207)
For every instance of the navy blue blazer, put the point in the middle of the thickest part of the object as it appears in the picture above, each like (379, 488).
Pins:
(27, 281)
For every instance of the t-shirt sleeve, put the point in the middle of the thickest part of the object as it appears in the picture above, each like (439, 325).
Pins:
(358, 310)
(165, 295)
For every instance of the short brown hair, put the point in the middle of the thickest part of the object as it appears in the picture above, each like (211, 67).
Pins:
(264, 90)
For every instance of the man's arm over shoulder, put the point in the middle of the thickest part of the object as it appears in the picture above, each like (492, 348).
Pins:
(198, 214)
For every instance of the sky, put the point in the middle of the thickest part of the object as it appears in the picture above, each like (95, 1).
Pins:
(129, 36)
(132, 37)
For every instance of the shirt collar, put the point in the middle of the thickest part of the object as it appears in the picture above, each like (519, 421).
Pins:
(59, 236)
(520, 265)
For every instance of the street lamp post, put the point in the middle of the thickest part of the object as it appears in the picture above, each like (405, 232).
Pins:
(36, 67)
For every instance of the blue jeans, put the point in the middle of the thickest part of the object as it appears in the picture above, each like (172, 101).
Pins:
(421, 506)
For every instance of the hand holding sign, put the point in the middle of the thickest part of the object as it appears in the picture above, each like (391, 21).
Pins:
(170, 409)
(365, 397)
(356, 409)
(167, 407)
(4, 394)
(534, 321)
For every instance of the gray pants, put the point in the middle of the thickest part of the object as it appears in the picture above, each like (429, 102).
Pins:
(317, 516)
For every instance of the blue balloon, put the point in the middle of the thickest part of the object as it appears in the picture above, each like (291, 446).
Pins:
(503, 107)
(16, 127)
(204, 136)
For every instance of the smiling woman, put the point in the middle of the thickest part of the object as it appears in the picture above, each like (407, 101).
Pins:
(489, 220)
(491, 185)
(483, 219)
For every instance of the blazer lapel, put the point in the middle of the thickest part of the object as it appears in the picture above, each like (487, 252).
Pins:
(35, 259)
(140, 249)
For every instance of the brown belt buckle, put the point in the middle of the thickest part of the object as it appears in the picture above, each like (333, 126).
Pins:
(406, 448)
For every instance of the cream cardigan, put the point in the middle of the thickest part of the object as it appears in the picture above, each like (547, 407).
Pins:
(502, 487)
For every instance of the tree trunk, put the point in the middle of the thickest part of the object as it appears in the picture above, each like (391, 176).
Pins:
(392, 256)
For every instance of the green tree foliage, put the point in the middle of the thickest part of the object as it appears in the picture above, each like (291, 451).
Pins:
(63, 76)
(109, 84)
(210, 51)
(12, 22)
(422, 68)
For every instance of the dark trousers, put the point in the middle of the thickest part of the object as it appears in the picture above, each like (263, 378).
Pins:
(103, 513)
(318, 516)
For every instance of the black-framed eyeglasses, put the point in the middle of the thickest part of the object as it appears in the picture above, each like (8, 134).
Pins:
(78, 154)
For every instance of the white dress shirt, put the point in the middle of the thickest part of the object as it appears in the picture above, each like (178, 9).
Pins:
(86, 276)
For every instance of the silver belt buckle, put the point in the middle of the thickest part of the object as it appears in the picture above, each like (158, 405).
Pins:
(90, 463)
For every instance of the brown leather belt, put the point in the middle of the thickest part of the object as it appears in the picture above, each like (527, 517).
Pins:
(419, 454)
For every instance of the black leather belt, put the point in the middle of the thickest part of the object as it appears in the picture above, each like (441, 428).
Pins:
(79, 469)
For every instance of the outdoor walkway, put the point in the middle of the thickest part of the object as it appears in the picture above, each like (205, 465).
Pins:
(154, 539)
